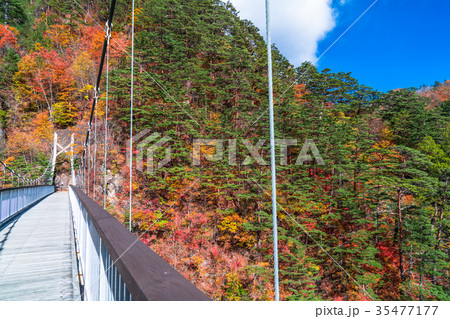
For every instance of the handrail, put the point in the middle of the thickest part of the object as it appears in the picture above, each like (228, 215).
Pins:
(19, 187)
(24, 179)
(106, 246)
(14, 200)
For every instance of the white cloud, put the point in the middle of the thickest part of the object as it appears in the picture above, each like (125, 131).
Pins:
(297, 25)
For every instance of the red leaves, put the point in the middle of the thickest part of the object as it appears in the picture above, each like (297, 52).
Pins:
(43, 75)
(92, 38)
(387, 252)
(8, 37)
(389, 258)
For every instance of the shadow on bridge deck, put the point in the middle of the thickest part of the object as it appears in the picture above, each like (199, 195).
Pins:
(37, 255)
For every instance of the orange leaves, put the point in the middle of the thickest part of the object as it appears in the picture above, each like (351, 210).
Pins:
(44, 76)
(58, 74)
(91, 41)
(299, 92)
(42, 68)
(33, 138)
(60, 35)
(8, 37)
(43, 128)
(119, 44)
(19, 143)
(89, 47)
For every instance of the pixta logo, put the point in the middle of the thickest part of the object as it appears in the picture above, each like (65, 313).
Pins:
(146, 146)
(151, 146)
(253, 151)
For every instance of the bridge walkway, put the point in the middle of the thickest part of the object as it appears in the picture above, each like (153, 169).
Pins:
(37, 255)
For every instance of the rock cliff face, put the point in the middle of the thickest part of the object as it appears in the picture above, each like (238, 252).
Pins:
(114, 186)
(2, 139)
(62, 181)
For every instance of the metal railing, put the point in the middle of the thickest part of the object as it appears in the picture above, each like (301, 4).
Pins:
(14, 200)
(115, 265)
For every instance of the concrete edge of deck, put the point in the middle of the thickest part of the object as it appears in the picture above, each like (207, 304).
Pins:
(76, 279)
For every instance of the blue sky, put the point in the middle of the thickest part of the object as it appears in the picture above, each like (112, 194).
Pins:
(396, 44)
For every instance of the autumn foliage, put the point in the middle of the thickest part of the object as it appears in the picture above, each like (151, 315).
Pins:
(370, 224)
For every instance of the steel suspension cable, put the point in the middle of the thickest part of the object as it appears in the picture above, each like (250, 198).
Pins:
(272, 154)
(97, 86)
(94, 164)
(19, 176)
(108, 36)
(131, 110)
(89, 164)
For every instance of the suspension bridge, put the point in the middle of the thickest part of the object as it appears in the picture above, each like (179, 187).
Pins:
(62, 245)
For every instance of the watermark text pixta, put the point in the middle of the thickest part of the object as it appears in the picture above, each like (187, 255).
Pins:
(213, 150)
(308, 151)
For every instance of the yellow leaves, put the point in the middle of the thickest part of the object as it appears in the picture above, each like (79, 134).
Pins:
(38, 46)
(197, 261)
(100, 109)
(13, 30)
(60, 35)
(382, 145)
(312, 269)
(208, 149)
(231, 223)
(82, 68)
(26, 65)
(214, 117)
(64, 114)
(386, 134)
(234, 232)
(341, 116)
(214, 120)
(319, 207)
(137, 14)
(233, 286)
(9, 160)
(87, 88)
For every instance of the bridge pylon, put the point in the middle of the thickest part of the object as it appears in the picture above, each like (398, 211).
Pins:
(57, 150)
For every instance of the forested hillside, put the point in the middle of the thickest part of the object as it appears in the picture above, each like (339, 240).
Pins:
(371, 223)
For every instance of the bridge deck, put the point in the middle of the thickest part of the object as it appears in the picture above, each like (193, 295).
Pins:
(37, 256)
